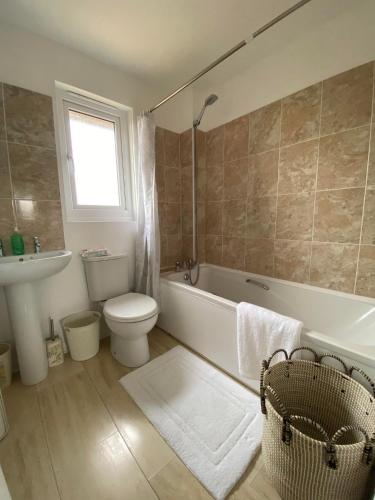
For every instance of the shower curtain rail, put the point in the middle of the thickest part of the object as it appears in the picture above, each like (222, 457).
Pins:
(230, 52)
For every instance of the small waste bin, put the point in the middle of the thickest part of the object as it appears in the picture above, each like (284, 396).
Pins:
(82, 334)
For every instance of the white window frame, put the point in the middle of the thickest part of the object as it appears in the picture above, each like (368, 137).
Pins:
(122, 116)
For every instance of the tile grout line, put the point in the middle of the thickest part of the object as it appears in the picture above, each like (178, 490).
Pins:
(367, 172)
(92, 382)
(316, 179)
(48, 445)
(8, 158)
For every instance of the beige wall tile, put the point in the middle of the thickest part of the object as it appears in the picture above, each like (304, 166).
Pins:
(159, 145)
(264, 174)
(236, 138)
(42, 219)
(160, 182)
(5, 189)
(7, 222)
(366, 271)
(214, 249)
(236, 179)
(174, 248)
(259, 256)
(2, 127)
(214, 218)
(163, 250)
(292, 259)
(187, 219)
(173, 222)
(297, 167)
(201, 181)
(265, 128)
(301, 115)
(234, 253)
(187, 247)
(261, 217)
(186, 184)
(343, 159)
(295, 216)
(338, 215)
(201, 148)
(29, 117)
(215, 183)
(215, 146)
(347, 100)
(334, 266)
(34, 172)
(234, 218)
(185, 145)
(368, 229)
(172, 148)
(162, 221)
(371, 166)
(172, 178)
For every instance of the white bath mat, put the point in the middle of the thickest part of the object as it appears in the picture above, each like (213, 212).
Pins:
(211, 422)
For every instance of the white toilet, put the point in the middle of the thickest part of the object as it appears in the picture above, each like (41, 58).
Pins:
(129, 316)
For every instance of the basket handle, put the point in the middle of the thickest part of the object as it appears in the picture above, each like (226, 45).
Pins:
(265, 366)
(364, 375)
(316, 357)
(333, 356)
(368, 450)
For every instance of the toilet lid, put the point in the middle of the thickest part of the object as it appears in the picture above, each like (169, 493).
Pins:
(130, 308)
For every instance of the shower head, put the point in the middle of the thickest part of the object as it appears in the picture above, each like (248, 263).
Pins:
(208, 101)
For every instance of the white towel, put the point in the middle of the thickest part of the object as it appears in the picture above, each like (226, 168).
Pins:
(260, 332)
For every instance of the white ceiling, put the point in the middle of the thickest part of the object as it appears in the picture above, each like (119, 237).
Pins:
(163, 41)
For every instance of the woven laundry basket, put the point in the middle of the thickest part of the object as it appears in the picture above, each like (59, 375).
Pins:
(319, 430)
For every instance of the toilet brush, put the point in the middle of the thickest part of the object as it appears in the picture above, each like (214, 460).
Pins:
(55, 352)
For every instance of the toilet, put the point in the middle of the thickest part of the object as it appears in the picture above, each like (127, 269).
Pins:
(129, 316)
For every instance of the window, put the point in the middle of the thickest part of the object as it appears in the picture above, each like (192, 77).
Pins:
(95, 157)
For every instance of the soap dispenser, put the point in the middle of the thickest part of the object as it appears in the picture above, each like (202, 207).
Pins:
(17, 244)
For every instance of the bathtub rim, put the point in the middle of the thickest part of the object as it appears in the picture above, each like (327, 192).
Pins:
(261, 277)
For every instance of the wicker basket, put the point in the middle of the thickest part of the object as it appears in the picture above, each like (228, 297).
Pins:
(319, 431)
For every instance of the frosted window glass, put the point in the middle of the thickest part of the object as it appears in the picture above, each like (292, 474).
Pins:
(95, 160)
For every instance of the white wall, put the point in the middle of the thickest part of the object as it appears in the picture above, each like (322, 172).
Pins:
(35, 63)
(324, 49)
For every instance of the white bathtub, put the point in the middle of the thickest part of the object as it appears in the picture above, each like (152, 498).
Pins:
(204, 317)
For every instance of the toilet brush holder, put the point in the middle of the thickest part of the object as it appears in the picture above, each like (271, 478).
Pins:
(54, 345)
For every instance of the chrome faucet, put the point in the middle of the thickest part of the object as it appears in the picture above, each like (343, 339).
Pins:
(2, 253)
(36, 244)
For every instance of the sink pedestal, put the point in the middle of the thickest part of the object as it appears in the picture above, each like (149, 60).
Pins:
(27, 331)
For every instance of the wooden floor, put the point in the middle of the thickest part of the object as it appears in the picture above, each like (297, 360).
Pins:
(78, 435)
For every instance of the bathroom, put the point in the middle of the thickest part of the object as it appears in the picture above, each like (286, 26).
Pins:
(284, 198)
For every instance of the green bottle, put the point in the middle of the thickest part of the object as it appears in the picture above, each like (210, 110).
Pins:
(16, 241)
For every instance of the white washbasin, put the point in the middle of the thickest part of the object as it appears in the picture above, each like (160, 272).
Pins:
(31, 267)
(17, 275)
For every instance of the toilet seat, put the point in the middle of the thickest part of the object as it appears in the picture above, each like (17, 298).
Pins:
(130, 308)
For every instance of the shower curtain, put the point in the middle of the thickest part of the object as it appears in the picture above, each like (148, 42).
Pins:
(147, 261)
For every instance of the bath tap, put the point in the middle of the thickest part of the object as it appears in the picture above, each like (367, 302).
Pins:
(258, 283)
(36, 244)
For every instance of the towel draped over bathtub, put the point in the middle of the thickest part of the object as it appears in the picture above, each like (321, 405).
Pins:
(260, 332)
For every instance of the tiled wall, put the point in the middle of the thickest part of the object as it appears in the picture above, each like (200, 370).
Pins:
(29, 188)
(174, 183)
(290, 187)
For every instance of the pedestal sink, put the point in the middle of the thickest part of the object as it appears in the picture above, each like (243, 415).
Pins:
(17, 275)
